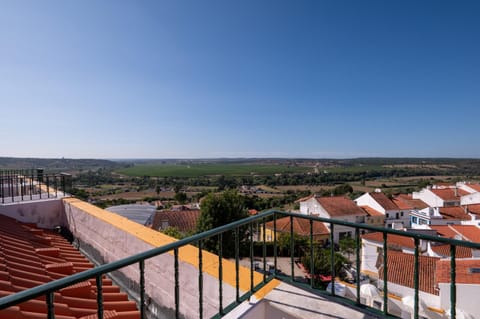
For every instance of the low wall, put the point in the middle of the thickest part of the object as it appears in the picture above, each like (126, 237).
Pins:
(107, 237)
(46, 213)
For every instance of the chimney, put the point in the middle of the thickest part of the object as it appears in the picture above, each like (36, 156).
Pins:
(455, 189)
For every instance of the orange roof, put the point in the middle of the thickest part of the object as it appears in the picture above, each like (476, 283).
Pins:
(455, 212)
(467, 232)
(405, 201)
(252, 212)
(448, 194)
(475, 187)
(460, 252)
(401, 271)
(301, 226)
(183, 220)
(474, 209)
(371, 212)
(32, 256)
(392, 240)
(338, 206)
(383, 201)
(463, 271)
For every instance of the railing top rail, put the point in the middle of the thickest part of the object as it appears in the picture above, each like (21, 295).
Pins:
(103, 269)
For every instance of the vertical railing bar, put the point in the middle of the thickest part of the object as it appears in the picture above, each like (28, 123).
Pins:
(177, 284)
(200, 279)
(332, 257)
(357, 254)
(251, 257)
(312, 270)
(56, 186)
(98, 280)
(264, 252)
(292, 250)
(11, 188)
(220, 273)
(415, 279)
(21, 187)
(50, 305)
(31, 186)
(385, 275)
(453, 288)
(275, 244)
(237, 266)
(48, 187)
(141, 266)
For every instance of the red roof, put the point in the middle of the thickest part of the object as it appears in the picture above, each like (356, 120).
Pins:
(467, 232)
(338, 206)
(463, 271)
(444, 231)
(384, 201)
(401, 271)
(448, 194)
(31, 256)
(460, 251)
(371, 212)
(183, 220)
(301, 226)
(392, 240)
(474, 209)
(475, 187)
(454, 212)
(405, 201)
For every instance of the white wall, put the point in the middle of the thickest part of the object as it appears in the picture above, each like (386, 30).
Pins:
(367, 200)
(470, 199)
(310, 206)
(467, 298)
(46, 213)
(428, 197)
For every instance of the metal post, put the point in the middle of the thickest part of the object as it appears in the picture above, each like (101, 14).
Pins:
(264, 252)
(48, 187)
(50, 306)
(385, 275)
(312, 265)
(357, 253)
(453, 288)
(251, 257)
(141, 265)
(237, 275)
(177, 285)
(220, 273)
(415, 279)
(275, 244)
(292, 250)
(99, 297)
(332, 258)
(200, 280)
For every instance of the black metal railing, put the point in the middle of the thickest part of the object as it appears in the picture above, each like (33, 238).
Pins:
(32, 184)
(198, 240)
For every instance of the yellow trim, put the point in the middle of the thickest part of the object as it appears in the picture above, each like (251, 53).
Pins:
(437, 310)
(188, 254)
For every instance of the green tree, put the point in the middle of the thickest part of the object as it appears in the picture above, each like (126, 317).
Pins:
(322, 262)
(347, 245)
(180, 197)
(173, 232)
(284, 244)
(218, 210)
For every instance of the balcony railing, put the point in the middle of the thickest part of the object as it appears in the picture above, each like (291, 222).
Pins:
(247, 224)
(32, 184)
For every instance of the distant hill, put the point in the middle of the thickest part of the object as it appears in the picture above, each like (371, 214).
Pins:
(57, 164)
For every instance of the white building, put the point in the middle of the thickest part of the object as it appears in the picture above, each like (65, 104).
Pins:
(394, 216)
(337, 207)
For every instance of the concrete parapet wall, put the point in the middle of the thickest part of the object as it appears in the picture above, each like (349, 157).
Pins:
(46, 213)
(108, 237)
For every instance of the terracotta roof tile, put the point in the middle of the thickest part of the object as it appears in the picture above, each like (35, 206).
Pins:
(183, 220)
(384, 201)
(460, 252)
(392, 240)
(455, 212)
(463, 232)
(32, 256)
(301, 226)
(405, 201)
(475, 187)
(371, 212)
(444, 231)
(448, 194)
(338, 206)
(463, 271)
(401, 271)
(474, 209)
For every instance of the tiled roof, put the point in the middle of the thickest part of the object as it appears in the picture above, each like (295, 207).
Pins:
(474, 209)
(30, 256)
(467, 232)
(405, 201)
(463, 271)
(303, 199)
(475, 187)
(392, 240)
(252, 212)
(338, 206)
(183, 220)
(371, 212)
(454, 212)
(301, 226)
(384, 201)
(401, 271)
(448, 194)
(460, 252)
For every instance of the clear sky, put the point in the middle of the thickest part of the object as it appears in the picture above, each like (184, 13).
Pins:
(188, 79)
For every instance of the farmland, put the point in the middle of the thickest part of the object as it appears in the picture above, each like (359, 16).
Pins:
(211, 169)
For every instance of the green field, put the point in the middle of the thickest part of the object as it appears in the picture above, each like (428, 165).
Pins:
(196, 170)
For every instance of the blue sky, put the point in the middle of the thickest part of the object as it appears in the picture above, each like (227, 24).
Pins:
(188, 79)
